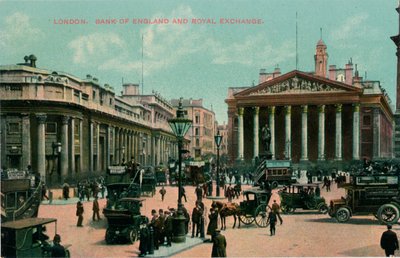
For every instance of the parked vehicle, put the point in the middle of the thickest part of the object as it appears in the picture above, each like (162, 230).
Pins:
(375, 194)
(161, 175)
(124, 220)
(148, 181)
(302, 196)
(254, 207)
(22, 238)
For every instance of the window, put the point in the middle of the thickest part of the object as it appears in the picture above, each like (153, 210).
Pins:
(51, 128)
(197, 119)
(197, 142)
(367, 120)
(196, 130)
(94, 95)
(13, 128)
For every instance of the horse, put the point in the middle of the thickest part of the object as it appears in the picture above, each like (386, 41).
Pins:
(226, 210)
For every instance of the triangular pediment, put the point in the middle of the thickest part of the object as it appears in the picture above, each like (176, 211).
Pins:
(297, 82)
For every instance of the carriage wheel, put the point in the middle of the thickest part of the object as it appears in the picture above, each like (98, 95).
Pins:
(388, 214)
(323, 208)
(343, 214)
(286, 208)
(246, 219)
(311, 204)
(261, 216)
(133, 235)
(274, 184)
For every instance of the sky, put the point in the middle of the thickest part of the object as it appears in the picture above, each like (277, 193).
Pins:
(199, 60)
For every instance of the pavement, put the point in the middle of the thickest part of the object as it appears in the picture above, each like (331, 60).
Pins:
(176, 248)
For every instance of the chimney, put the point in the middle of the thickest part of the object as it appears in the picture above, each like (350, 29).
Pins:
(88, 76)
(32, 58)
(349, 74)
(263, 76)
(332, 72)
(276, 72)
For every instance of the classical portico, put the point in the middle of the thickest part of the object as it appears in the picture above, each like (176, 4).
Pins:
(311, 118)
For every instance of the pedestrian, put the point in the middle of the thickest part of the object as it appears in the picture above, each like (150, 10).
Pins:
(57, 250)
(168, 226)
(205, 190)
(162, 218)
(155, 223)
(187, 218)
(65, 188)
(182, 193)
(212, 223)
(44, 192)
(328, 185)
(219, 245)
(199, 192)
(317, 191)
(79, 213)
(276, 209)
(96, 209)
(163, 192)
(389, 241)
(144, 237)
(272, 222)
(196, 216)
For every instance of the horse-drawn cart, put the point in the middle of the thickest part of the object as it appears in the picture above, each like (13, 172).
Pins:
(255, 207)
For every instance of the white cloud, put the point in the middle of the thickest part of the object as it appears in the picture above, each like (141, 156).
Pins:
(95, 47)
(18, 30)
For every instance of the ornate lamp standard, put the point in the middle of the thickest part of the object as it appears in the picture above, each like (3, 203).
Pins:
(218, 140)
(180, 125)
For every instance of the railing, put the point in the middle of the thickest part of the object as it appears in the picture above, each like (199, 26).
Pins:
(34, 197)
(260, 171)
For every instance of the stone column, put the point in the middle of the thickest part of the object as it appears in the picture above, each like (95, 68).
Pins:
(153, 150)
(338, 133)
(128, 146)
(72, 148)
(99, 155)
(117, 146)
(26, 141)
(41, 146)
(240, 134)
(64, 147)
(108, 147)
(321, 132)
(356, 132)
(271, 110)
(91, 147)
(81, 145)
(256, 129)
(288, 134)
(304, 135)
(376, 153)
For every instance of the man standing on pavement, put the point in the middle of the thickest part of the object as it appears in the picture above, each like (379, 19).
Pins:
(276, 209)
(219, 244)
(389, 241)
(168, 226)
(163, 192)
(96, 209)
(183, 193)
(199, 192)
(79, 213)
(272, 222)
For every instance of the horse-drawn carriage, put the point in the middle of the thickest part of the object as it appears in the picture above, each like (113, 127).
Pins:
(255, 207)
(303, 196)
(149, 181)
(161, 175)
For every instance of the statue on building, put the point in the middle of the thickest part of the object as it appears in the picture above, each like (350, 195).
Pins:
(266, 137)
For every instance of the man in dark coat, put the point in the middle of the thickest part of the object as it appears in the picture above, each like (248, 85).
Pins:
(168, 226)
(213, 222)
(389, 241)
(144, 238)
(96, 209)
(57, 250)
(219, 245)
(196, 215)
(157, 227)
(199, 193)
(79, 213)
(272, 222)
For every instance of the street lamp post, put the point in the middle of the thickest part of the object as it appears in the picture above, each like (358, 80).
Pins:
(218, 140)
(180, 125)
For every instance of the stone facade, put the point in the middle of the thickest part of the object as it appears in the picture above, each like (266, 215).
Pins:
(311, 117)
(67, 127)
(201, 134)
